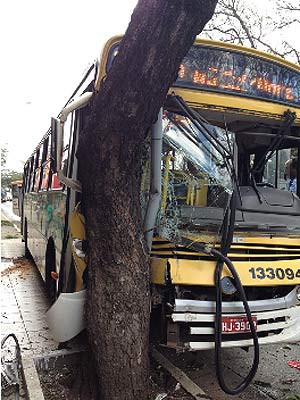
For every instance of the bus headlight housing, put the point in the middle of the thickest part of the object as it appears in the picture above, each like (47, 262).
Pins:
(79, 247)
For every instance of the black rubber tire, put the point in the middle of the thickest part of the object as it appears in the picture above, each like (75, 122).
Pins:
(27, 251)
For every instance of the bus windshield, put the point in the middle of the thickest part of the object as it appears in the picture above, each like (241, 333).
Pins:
(195, 153)
(196, 177)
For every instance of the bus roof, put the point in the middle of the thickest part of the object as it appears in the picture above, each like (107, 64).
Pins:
(208, 96)
(229, 78)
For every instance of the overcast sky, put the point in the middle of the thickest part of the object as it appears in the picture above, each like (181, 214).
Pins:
(46, 47)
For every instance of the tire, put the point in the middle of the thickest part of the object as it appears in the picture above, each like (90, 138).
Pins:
(27, 251)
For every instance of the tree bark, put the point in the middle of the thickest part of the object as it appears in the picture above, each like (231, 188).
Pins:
(118, 307)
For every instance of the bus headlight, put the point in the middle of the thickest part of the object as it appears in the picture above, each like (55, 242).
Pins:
(79, 247)
(227, 285)
(298, 293)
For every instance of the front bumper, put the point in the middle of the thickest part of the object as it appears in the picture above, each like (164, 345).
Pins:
(191, 324)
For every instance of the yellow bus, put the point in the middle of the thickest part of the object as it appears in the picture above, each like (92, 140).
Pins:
(230, 124)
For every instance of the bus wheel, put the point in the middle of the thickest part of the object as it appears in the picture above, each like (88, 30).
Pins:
(27, 251)
(51, 284)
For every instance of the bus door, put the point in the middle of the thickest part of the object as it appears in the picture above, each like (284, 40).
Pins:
(282, 170)
(17, 197)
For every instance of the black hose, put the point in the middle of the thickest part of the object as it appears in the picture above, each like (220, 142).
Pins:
(218, 326)
(221, 256)
(227, 236)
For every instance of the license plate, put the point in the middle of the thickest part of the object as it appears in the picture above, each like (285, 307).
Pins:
(237, 324)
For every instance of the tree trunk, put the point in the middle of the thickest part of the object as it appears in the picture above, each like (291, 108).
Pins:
(118, 307)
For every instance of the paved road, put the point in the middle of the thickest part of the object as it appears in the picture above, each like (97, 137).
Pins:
(275, 380)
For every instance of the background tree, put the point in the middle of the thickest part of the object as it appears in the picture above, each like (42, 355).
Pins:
(3, 156)
(158, 37)
(7, 175)
(240, 22)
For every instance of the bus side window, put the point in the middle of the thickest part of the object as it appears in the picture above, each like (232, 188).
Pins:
(68, 127)
(37, 180)
(37, 173)
(27, 175)
(54, 183)
(32, 177)
(46, 160)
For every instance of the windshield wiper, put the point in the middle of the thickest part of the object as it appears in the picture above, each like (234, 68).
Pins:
(201, 124)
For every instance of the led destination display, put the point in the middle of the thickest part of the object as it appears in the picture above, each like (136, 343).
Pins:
(238, 73)
(229, 71)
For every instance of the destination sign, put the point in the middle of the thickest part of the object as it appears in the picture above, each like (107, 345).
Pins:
(228, 71)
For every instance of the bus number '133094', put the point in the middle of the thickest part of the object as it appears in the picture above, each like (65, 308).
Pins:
(273, 273)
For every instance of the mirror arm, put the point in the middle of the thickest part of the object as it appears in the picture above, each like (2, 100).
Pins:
(76, 104)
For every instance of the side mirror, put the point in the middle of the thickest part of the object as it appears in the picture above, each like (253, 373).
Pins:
(56, 143)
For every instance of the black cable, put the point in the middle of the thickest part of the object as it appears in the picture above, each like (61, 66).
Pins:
(218, 325)
(221, 256)
(227, 237)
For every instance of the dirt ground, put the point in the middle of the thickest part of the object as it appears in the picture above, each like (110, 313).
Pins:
(60, 384)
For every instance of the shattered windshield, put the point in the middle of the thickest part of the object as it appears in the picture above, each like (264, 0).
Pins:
(196, 177)
(193, 152)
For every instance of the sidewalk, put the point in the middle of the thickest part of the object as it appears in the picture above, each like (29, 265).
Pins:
(23, 307)
(23, 312)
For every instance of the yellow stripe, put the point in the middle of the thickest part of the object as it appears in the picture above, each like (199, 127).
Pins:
(230, 255)
(171, 245)
(164, 246)
(243, 240)
(236, 104)
(262, 248)
(194, 272)
(274, 240)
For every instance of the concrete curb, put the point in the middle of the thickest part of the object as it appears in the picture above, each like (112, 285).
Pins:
(33, 365)
(31, 379)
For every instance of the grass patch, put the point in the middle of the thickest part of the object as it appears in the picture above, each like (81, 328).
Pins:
(11, 237)
(6, 223)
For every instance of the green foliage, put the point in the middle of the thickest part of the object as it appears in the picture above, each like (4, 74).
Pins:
(9, 175)
(6, 223)
(9, 236)
(3, 156)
